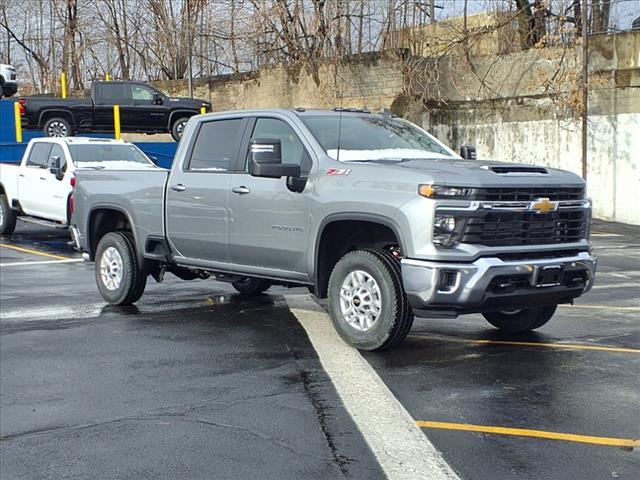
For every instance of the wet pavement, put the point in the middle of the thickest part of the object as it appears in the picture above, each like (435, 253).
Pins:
(450, 371)
(193, 382)
(198, 382)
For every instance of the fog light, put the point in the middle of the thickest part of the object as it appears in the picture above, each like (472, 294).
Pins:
(447, 230)
(448, 280)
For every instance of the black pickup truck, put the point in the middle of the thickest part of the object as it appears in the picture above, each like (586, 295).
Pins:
(143, 109)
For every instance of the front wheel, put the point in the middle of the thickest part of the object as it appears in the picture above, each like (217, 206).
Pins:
(177, 128)
(58, 127)
(7, 217)
(118, 275)
(520, 320)
(251, 285)
(367, 304)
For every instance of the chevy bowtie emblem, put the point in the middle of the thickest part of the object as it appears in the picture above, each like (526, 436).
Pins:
(543, 205)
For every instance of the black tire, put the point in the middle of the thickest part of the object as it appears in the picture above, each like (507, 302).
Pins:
(521, 320)
(58, 127)
(178, 128)
(8, 217)
(133, 280)
(251, 285)
(395, 317)
(1, 92)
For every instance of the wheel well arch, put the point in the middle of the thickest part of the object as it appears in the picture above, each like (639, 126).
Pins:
(342, 233)
(103, 220)
(49, 114)
(1, 80)
(178, 114)
(2, 192)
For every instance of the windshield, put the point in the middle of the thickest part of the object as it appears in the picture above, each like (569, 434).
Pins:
(373, 137)
(109, 156)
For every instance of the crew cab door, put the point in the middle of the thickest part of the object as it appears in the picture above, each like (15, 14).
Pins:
(141, 112)
(105, 96)
(268, 225)
(55, 192)
(197, 213)
(31, 179)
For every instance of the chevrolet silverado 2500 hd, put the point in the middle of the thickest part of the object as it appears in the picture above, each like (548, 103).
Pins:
(39, 188)
(365, 209)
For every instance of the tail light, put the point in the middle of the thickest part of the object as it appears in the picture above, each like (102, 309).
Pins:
(22, 102)
(72, 181)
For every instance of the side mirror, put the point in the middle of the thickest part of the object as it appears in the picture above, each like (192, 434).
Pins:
(266, 160)
(55, 169)
(468, 152)
(157, 98)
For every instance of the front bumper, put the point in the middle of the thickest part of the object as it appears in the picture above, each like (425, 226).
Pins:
(490, 283)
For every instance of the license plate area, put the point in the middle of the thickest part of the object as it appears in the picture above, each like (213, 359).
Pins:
(548, 276)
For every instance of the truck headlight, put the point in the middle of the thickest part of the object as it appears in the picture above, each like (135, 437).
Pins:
(440, 191)
(447, 230)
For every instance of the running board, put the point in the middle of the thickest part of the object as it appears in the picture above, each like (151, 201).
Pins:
(44, 223)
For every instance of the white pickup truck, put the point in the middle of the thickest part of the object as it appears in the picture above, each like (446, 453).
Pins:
(39, 189)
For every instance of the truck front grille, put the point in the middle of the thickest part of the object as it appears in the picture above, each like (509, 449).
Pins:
(498, 229)
(527, 194)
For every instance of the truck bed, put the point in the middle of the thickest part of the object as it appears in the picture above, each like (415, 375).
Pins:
(139, 192)
(9, 179)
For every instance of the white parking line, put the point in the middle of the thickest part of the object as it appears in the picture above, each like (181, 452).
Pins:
(401, 448)
(43, 262)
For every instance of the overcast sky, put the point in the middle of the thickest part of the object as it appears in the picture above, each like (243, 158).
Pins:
(622, 11)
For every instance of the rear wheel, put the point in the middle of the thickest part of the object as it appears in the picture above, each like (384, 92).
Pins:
(7, 217)
(177, 129)
(367, 304)
(120, 279)
(520, 320)
(251, 285)
(58, 127)
(1, 92)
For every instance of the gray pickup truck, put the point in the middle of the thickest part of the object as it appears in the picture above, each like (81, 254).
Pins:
(366, 209)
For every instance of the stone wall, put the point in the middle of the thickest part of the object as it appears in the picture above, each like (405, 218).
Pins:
(370, 81)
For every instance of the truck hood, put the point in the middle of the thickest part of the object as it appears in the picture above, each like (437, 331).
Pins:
(188, 102)
(476, 173)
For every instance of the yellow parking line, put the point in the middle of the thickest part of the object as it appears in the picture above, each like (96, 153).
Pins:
(523, 432)
(604, 307)
(573, 346)
(33, 252)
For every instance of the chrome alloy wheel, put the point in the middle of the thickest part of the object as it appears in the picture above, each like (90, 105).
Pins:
(57, 129)
(360, 301)
(180, 128)
(111, 268)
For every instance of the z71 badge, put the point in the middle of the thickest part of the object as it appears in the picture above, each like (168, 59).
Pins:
(334, 172)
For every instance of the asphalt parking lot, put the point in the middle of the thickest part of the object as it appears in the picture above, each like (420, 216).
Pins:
(198, 382)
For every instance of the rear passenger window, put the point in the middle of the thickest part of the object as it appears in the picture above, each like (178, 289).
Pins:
(110, 92)
(39, 155)
(216, 146)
